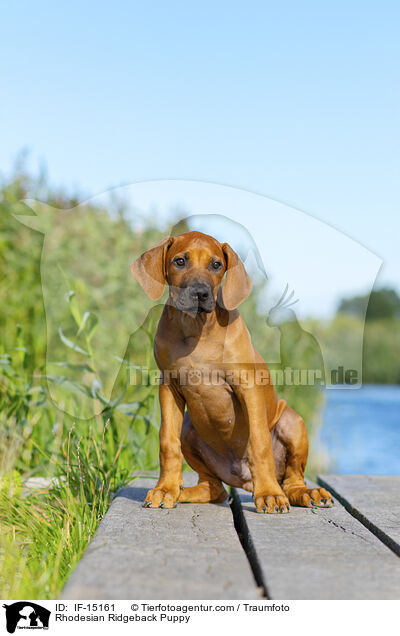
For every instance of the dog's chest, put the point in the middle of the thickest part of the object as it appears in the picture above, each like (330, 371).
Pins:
(213, 410)
(178, 353)
(197, 367)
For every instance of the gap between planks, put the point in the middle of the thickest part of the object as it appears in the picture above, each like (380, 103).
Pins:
(329, 483)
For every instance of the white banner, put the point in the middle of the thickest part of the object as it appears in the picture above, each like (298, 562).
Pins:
(101, 617)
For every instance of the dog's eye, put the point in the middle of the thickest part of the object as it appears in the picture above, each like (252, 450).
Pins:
(216, 264)
(179, 262)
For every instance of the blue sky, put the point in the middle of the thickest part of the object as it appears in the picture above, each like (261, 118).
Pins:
(295, 101)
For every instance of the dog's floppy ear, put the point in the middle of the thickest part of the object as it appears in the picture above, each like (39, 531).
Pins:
(237, 284)
(149, 269)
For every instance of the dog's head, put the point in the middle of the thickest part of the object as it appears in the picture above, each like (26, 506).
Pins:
(194, 266)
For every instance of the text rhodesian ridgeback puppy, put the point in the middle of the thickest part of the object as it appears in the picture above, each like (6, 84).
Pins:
(218, 406)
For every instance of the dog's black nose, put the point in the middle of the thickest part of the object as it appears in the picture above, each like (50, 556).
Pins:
(199, 291)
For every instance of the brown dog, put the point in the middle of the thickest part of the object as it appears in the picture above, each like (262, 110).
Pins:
(235, 428)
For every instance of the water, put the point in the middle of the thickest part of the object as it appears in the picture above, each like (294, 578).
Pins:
(361, 430)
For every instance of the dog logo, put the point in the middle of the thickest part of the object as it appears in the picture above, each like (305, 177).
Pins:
(26, 615)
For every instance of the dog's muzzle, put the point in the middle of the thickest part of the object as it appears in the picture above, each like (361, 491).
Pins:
(196, 298)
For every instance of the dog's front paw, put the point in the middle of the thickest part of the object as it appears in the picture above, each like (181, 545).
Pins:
(311, 498)
(160, 497)
(272, 503)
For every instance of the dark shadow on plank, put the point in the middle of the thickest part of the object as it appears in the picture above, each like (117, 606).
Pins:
(132, 493)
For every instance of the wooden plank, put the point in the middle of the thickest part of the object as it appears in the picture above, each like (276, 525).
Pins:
(318, 553)
(373, 500)
(190, 552)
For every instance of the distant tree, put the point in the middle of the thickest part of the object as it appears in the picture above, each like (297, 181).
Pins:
(383, 303)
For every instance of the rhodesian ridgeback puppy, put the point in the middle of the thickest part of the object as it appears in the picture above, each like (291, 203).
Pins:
(219, 409)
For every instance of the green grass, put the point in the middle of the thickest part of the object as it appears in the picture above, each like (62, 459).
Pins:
(44, 532)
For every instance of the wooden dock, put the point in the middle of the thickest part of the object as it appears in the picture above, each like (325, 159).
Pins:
(228, 551)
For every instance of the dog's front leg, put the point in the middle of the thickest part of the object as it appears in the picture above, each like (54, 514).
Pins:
(268, 495)
(166, 493)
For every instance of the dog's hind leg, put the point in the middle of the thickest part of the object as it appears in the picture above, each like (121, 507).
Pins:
(292, 433)
(209, 488)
